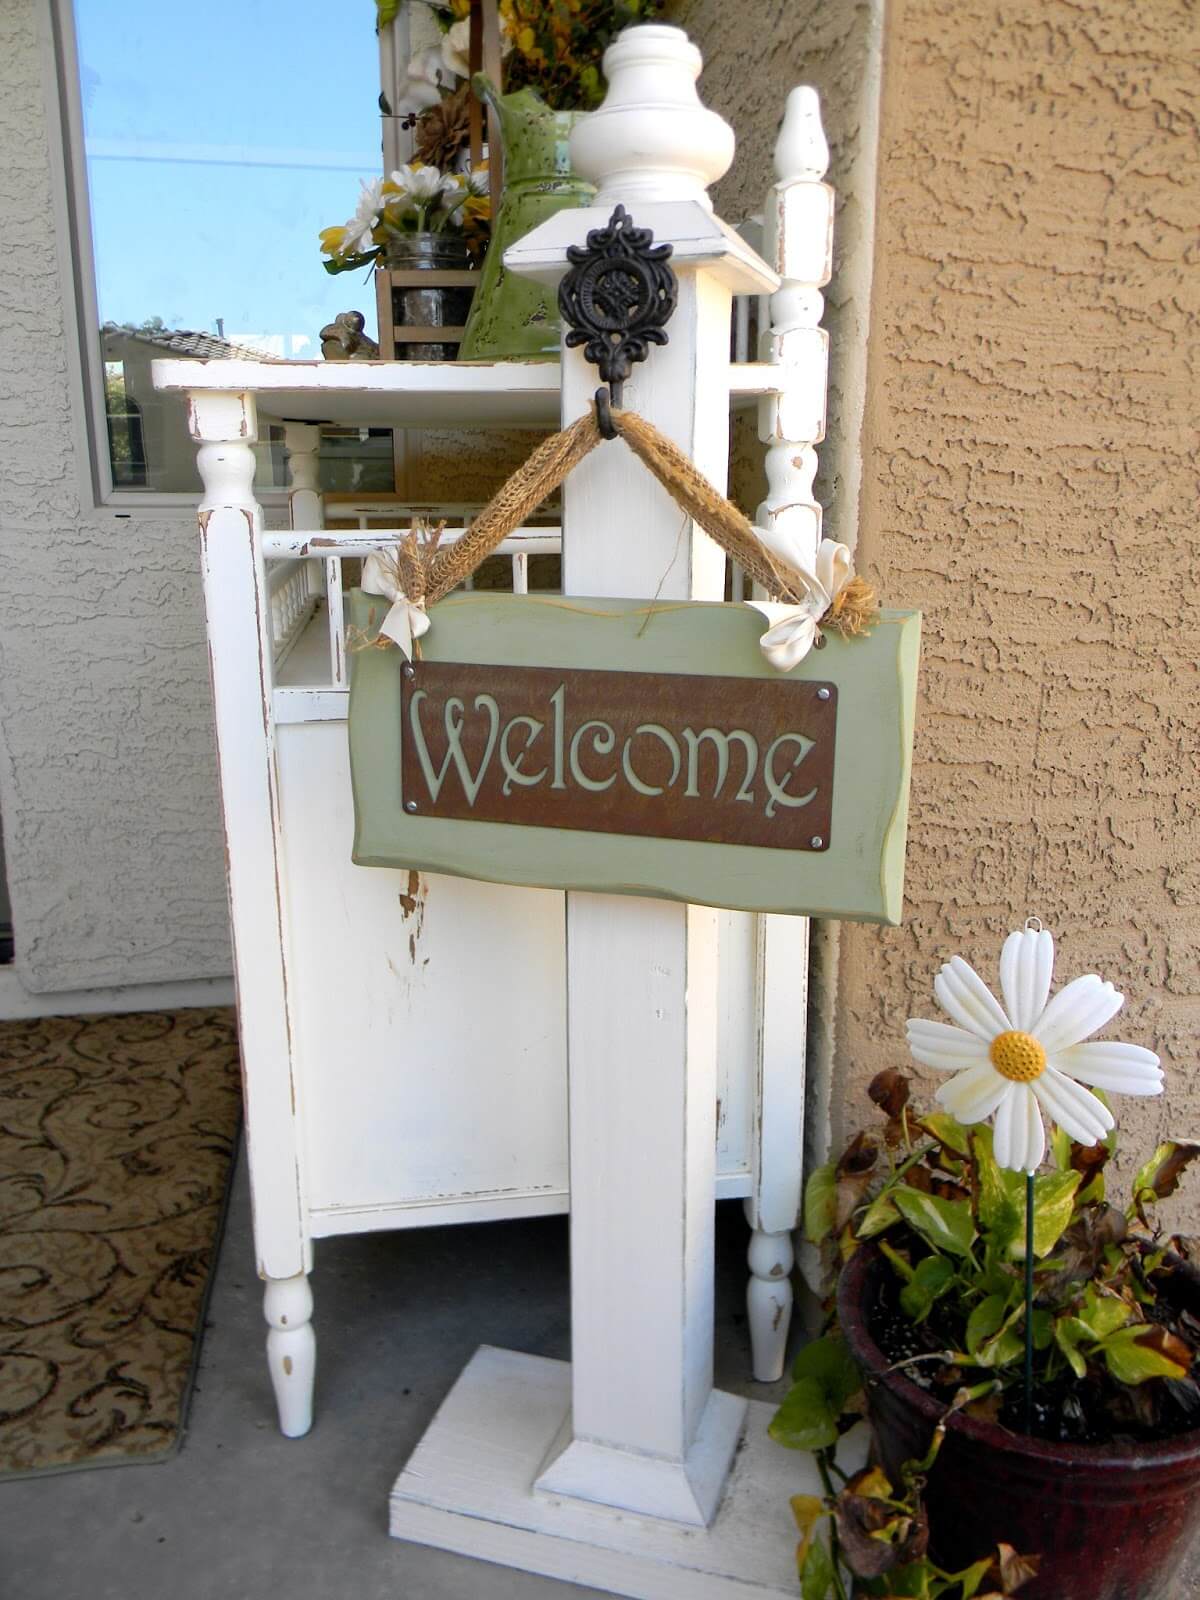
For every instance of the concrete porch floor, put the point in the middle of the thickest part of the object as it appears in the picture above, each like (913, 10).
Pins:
(242, 1512)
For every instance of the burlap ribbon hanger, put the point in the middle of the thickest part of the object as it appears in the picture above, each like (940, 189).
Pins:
(423, 571)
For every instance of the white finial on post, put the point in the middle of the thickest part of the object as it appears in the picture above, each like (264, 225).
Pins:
(652, 139)
(798, 242)
(801, 150)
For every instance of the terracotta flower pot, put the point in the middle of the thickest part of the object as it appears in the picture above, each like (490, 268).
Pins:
(1111, 1522)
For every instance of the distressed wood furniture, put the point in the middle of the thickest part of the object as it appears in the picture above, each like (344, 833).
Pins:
(366, 996)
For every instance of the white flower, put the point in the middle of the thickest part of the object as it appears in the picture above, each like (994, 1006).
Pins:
(421, 184)
(427, 75)
(456, 45)
(359, 228)
(793, 630)
(1028, 1056)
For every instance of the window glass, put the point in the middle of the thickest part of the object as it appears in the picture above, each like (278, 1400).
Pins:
(219, 140)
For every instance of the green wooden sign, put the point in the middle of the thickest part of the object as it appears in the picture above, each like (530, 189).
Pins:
(637, 748)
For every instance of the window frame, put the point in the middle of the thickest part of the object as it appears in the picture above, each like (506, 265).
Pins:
(81, 311)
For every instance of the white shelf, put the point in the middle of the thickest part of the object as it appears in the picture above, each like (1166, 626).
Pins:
(410, 394)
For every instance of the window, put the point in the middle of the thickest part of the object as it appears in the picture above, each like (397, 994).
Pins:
(217, 140)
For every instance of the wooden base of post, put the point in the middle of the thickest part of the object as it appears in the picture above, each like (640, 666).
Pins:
(469, 1487)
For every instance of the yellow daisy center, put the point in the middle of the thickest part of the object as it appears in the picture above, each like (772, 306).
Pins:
(1017, 1056)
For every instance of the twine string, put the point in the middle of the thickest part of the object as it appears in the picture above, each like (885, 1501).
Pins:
(428, 571)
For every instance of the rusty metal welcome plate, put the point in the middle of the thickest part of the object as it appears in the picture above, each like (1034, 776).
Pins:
(637, 748)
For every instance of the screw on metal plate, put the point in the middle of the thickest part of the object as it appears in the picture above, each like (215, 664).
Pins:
(616, 299)
(410, 805)
(822, 694)
(816, 841)
(409, 670)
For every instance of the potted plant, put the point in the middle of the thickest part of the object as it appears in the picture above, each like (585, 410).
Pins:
(420, 221)
(1001, 1304)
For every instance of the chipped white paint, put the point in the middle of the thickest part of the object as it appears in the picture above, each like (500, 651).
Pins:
(749, 1553)
(291, 1351)
(237, 606)
(798, 240)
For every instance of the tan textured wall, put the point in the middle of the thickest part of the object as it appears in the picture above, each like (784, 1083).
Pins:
(1028, 474)
(1031, 481)
(754, 52)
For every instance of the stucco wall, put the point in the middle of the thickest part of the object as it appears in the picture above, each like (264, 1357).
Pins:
(107, 773)
(754, 53)
(1031, 477)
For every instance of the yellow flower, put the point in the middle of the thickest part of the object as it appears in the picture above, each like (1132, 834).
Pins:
(461, 8)
(333, 241)
(526, 41)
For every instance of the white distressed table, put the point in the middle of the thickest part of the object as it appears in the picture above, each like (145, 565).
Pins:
(404, 1036)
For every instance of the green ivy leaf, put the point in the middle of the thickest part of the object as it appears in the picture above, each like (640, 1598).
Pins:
(820, 1203)
(825, 1380)
(1137, 1353)
(1069, 1332)
(948, 1131)
(805, 1420)
(1053, 1208)
(828, 1362)
(943, 1224)
(816, 1572)
(986, 1320)
(971, 1577)
(929, 1282)
(992, 1340)
(879, 1216)
(1102, 1315)
(1001, 1206)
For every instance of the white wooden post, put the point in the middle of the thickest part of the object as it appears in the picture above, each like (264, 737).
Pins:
(798, 242)
(239, 632)
(647, 1430)
(645, 1433)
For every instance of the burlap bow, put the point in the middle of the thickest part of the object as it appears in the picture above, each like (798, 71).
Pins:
(407, 620)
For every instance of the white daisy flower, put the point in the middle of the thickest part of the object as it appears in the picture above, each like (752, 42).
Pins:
(419, 183)
(1028, 1056)
(359, 228)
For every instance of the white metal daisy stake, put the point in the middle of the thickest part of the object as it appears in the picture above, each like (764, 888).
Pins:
(1028, 1056)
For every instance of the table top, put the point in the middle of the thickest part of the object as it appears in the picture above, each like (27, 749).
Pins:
(410, 394)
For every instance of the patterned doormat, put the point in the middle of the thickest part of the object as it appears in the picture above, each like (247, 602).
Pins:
(116, 1135)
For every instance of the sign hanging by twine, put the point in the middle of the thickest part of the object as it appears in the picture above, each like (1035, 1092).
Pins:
(679, 750)
(636, 747)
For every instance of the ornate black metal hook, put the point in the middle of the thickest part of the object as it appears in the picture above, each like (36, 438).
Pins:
(617, 298)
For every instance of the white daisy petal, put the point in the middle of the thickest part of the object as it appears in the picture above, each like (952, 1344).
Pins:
(974, 1094)
(1085, 1004)
(1108, 1064)
(1003, 1129)
(1035, 1131)
(963, 995)
(944, 1047)
(1075, 1110)
(1026, 967)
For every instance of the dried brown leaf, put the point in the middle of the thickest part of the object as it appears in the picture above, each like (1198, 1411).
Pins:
(1010, 1570)
(890, 1091)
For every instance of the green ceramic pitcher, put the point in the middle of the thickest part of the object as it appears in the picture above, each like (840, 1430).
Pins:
(512, 318)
